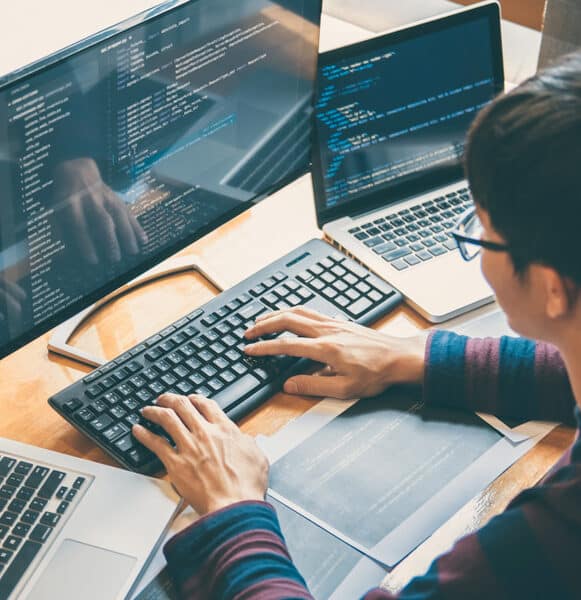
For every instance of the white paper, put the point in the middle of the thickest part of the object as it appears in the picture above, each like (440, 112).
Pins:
(411, 532)
(158, 562)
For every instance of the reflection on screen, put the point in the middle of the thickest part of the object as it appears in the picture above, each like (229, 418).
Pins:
(143, 142)
(390, 116)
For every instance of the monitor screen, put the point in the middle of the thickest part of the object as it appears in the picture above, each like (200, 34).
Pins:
(396, 109)
(131, 145)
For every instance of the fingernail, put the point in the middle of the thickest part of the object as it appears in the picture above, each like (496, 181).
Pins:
(249, 349)
(290, 387)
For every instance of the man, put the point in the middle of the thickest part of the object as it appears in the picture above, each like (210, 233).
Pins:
(522, 165)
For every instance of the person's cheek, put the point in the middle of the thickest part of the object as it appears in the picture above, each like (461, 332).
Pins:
(487, 268)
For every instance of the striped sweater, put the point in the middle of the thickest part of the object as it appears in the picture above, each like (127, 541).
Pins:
(531, 550)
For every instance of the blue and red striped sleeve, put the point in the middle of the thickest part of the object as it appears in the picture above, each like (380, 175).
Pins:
(512, 378)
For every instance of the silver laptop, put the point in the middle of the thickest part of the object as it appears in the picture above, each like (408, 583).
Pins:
(391, 119)
(73, 529)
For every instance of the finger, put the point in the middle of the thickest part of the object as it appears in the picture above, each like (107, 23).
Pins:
(298, 310)
(169, 421)
(138, 230)
(125, 234)
(311, 385)
(158, 445)
(13, 306)
(76, 226)
(284, 321)
(104, 233)
(15, 291)
(300, 347)
(182, 406)
(209, 410)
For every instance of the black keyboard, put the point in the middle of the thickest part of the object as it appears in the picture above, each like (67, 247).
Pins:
(417, 234)
(35, 502)
(203, 352)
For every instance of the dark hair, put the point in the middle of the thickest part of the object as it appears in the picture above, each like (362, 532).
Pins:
(523, 163)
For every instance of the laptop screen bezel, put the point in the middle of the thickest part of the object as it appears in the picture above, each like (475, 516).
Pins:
(377, 198)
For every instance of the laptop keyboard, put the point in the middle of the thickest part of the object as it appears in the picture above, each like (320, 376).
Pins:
(203, 353)
(417, 234)
(35, 502)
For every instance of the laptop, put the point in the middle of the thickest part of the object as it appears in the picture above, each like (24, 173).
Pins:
(72, 528)
(391, 119)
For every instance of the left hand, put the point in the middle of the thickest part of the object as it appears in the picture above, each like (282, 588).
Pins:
(95, 222)
(213, 464)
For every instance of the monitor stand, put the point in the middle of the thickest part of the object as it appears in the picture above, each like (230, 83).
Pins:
(60, 337)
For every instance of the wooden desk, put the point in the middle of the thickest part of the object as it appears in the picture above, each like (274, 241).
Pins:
(233, 252)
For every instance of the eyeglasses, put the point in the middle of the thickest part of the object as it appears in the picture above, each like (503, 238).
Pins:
(468, 235)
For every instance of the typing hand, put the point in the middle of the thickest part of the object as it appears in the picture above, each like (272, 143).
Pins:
(213, 464)
(95, 221)
(360, 362)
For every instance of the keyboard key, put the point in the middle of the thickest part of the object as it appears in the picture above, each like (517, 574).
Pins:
(36, 477)
(50, 518)
(424, 255)
(359, 307)
(25, 494)
(71, 495)
(374, 241)
(238, 390)
(29, 516)
(62, 507)
(12, 542)
(115, 432)
(101, 422)
(412, 260)
(40, 533)
(38, 504)
(383, 248)
(23, 468)
(5, 556)
(17, 567)
(125, 443)
(139, 456)
(15, 479)
(400, 264)
(252, 311)
(20, 529)
(437, 250)
(50, 486)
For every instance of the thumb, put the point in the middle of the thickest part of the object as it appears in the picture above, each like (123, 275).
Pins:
(312, 385)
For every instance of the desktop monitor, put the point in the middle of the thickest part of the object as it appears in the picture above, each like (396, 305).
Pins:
(124, 148)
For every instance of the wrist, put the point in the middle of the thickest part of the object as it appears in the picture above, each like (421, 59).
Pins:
(218, 504)
(407, 364)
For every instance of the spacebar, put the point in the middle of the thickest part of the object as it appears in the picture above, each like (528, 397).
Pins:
(238, 389)
(14, 572)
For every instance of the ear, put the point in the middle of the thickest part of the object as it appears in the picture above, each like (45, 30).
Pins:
(559, 294)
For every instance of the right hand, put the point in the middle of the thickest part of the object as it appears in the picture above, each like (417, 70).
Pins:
(360, 362)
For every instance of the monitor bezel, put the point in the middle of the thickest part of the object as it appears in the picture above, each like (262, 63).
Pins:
(55, 58)
(376, 199)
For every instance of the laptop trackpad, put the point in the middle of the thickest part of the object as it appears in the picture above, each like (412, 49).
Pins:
(81, 571)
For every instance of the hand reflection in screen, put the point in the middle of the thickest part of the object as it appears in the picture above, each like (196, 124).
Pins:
(94, 220)
(12, 298)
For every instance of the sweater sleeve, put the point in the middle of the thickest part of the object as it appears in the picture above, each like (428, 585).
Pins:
(239, 553)
(513, 378)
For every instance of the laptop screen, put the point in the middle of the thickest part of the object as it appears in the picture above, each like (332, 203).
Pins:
(392, 113)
